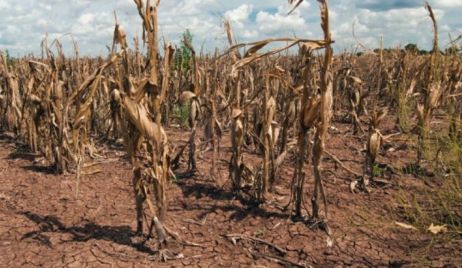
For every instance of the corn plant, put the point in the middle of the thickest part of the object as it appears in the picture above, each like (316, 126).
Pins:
(432, 92)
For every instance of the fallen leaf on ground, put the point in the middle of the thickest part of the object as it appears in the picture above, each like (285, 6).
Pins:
(330, 242)
(436, 229)
(405, 225)
(353, 185)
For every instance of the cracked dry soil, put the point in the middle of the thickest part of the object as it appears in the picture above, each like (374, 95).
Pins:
(43, 223)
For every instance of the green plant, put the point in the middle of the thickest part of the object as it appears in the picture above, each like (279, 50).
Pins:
(5, 55)
(183, 55)
(260, 232)
(439, 205)
(377, 171)
(411, 48)
(181, 112)
(439, 202)
(452, 49)
(405, 113)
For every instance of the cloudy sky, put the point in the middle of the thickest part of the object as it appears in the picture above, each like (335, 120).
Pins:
(23, 23)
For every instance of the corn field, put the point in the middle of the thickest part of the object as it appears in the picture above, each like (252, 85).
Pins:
(284, 127)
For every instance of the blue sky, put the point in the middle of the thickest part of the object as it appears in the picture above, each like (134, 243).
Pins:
(23, 23)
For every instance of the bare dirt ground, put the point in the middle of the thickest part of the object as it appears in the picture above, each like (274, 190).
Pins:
(44, 223)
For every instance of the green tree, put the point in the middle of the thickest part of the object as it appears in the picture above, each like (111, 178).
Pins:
(452, 50)
(183, 55)
(7, 58)
(423, 52)
(411, 48)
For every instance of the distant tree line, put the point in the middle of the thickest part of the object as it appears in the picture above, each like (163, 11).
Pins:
(453, 49)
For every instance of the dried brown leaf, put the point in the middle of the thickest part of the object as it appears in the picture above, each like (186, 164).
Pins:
(405, 225)
(436, 229)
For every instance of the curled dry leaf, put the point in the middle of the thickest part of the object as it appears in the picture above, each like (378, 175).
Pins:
(353, 186)
(434, 96)
(420, 111)
(436, 229)
(119, 37)
(279, 68)
(329, 242)
(379, 116)
(35, 99)
(138, 115)
(274, 131)
(296, 3)
(239, 130)
(195, 111)
(405, 225)
(115, 96)
(311, 112)
(187, 95)
(271, 105)
(410, 91)
(291, 112)
(374, 144)
(236, 113)
(252, 56)
(356, 80)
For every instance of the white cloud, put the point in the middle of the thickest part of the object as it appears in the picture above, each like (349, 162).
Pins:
(449, 3)
(239, 15)
(91, 22)
(273, 23)
(4, 4)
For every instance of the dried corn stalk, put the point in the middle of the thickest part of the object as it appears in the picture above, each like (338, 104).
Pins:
(325, 111)
(152, 168)
(316, 113)
(374, 142)
(432, 92)
(195, 107)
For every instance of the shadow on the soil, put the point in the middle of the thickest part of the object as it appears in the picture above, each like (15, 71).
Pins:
(22, 152)
(118, 234)
(249, 208)
(240, 213)
(48, 170)
(6, 136)
(200, 189)
(22, 155)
